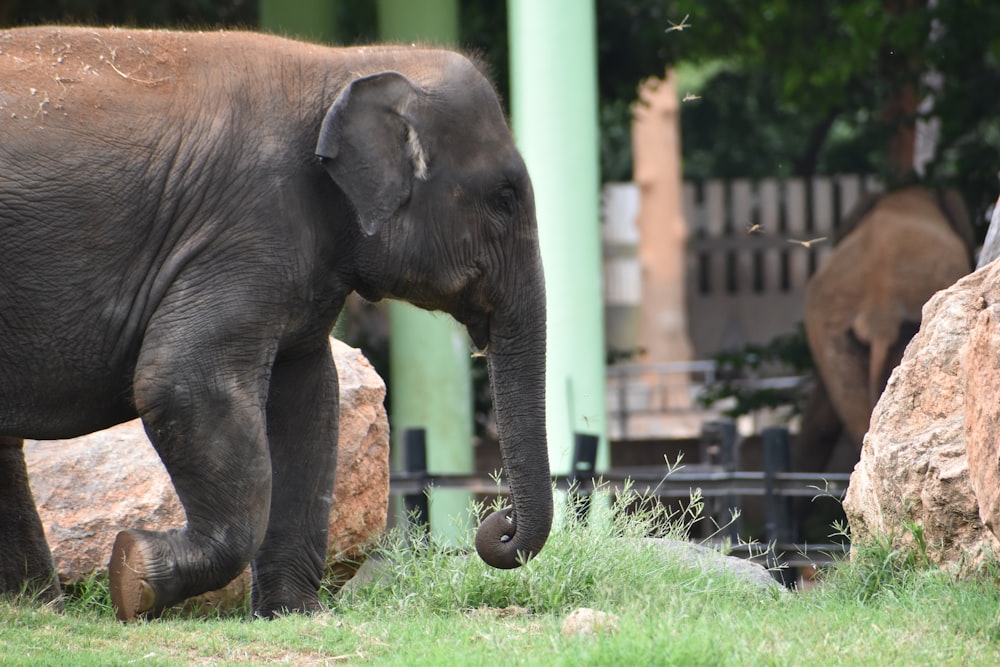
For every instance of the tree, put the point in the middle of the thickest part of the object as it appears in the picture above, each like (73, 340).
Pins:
(817, 87)
(787, 87)
(140, 13)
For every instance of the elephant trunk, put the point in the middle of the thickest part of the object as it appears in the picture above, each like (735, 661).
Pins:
(508, 537)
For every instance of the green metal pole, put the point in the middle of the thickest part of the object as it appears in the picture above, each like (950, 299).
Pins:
(429, 353)
(313, 20)
(554, 108)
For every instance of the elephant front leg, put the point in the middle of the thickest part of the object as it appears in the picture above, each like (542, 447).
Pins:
(221, 473)
(202, 404)
(302, 419)
(25, 560)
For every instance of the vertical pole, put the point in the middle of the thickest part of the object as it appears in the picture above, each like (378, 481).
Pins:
(429, 353)
(656, 144)
(415, 461)
(777, 456)
(313, 20)
(582, 474)
(554, 108)
(719, 446)
(778, 527)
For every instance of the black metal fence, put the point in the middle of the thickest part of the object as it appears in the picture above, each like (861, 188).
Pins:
(716, 478)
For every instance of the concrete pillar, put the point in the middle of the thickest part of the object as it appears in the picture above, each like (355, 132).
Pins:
(554, 108)
(656, 145)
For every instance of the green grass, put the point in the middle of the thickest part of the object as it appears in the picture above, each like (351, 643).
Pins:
(426, 604)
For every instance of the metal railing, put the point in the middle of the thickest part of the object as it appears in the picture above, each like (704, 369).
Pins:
(715, 479)
(671, 389)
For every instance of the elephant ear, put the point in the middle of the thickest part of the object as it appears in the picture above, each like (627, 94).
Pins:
(371, 148)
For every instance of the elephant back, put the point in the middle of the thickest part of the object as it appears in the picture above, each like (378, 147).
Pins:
(948, 200)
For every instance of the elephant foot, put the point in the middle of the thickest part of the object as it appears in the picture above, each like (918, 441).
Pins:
(282, 593)
(131, 594)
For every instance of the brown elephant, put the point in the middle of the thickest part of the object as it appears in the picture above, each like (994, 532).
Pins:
(862, 307)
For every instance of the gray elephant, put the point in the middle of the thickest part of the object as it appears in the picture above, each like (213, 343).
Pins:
(182, 217)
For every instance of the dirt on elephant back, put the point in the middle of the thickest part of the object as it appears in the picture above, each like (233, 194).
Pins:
(51, 73)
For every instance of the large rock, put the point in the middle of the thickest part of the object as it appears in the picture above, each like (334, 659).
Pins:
(89, 488)
(981, 363)
(708, 560)
(932, 439)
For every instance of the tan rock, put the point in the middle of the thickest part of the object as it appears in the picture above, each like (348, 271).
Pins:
(981, 363)
(361, 493)
(586, 621)
(89, 488)
(914, 469)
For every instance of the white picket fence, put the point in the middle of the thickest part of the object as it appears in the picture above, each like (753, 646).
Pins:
(751, 248)
(747, 259)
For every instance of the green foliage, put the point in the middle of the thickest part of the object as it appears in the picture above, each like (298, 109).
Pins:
(823, 54)
(141, 13)
(785, 355)
(802, 88)
(357, 22)
(615, 118)
(883, 564)
(483, 32)
(90, 596)
(743, 127)
(414, 574)
(968, 55)
(425, 604)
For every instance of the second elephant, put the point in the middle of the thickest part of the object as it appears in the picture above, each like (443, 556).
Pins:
(863, 306)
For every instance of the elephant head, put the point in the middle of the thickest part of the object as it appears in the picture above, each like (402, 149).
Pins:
(864, 304)
(446, 221)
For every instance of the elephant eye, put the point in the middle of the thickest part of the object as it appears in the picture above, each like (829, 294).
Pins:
(504, 202)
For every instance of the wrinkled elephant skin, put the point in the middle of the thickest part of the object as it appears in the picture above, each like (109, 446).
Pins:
(183, 216)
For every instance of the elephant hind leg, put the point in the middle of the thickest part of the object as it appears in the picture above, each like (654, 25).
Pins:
(25, 560)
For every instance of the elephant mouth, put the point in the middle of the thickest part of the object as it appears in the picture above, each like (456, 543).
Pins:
(479, 331)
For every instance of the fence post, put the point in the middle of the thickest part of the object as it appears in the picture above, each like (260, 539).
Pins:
(778, 527)
(623, 409)
(582, 472)
(718, 446)
(415, 463)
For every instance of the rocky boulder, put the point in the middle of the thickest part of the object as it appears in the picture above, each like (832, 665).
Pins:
(930, 457)
(89, 488)
(713, 562)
